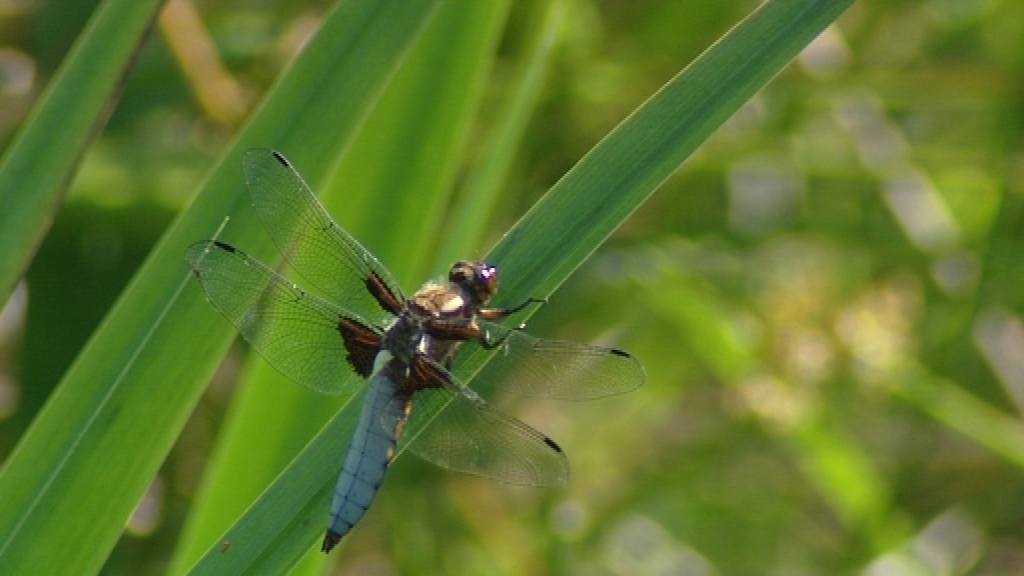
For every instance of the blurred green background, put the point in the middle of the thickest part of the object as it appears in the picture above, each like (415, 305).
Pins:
(825, 297)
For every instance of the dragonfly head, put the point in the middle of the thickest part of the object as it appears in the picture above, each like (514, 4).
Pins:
(478, 279)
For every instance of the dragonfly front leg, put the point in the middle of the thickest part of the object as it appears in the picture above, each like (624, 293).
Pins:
(499, 313)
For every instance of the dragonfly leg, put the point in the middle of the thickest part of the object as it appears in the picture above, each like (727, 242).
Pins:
(499, 313)
(484, 339)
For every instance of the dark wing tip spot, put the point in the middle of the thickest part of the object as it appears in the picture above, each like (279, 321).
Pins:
(622, 353)
(223, 246)
(551, 444)
(281, 160)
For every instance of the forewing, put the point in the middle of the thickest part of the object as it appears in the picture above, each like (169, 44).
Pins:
(296, 332)
(320, 250)
(456, 429)
(558, 369)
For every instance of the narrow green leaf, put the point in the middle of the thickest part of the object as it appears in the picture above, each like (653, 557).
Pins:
(962, 411)
(409, 152)
(38, 166)
(290, 515)
(486, 182)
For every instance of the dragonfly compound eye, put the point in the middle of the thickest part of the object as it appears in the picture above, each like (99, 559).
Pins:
(486, 281)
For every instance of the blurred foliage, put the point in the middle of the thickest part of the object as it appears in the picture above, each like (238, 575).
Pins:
(825, 297)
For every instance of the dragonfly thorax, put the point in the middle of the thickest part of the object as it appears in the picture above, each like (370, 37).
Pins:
(441, 302)
(448, 310)
(403, 337)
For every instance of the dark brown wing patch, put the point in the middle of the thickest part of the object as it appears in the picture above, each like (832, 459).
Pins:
(362, 344)
(383, 294)
(424, 374)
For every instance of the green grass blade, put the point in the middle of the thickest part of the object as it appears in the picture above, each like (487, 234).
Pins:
(487, 180)
(410, 150)
(37, 166)
(289, 516)
(419, 124)
(78, 472)
(561, 230)
(960, 410)
(615, 177)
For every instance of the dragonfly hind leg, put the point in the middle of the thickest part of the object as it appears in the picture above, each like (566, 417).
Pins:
(484, 338)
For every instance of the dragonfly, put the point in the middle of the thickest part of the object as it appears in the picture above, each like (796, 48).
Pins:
(362, 331)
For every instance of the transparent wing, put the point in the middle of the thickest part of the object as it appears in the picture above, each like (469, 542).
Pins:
(319, 250)
(542, 368)
(469, 436)
(296, 332)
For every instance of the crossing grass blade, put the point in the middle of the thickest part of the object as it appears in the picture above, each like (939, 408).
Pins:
(37, 168)
(488, 177)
